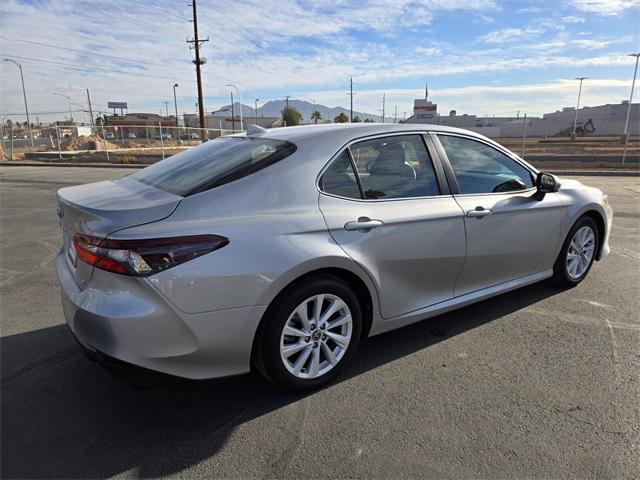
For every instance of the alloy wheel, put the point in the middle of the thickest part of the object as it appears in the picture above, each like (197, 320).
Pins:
(316, 336)
(580, 252)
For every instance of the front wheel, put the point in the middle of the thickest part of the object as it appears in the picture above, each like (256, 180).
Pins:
(311, 334)
(577, 254)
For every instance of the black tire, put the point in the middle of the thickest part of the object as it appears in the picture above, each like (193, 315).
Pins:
(267, 357)
(561, 275)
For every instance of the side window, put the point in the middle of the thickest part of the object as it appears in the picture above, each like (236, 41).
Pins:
(480, 168)
(339, 178)
(395, 167)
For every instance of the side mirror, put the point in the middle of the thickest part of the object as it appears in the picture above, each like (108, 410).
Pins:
(545, 183)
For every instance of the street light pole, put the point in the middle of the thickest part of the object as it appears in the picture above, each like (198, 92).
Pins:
(68, 102)
(626, 123)
(175, 102)
(240, 100)
(24, 94)
(575, 118)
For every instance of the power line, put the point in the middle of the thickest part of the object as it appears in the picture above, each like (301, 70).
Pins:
(59, 47)
(89, 68)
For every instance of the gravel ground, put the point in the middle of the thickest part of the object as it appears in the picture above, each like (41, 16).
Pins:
(536, 383)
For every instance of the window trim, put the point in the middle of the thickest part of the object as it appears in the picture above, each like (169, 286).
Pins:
(434, 157)
(450, 174)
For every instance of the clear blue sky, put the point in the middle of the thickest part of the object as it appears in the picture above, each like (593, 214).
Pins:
(478, 56)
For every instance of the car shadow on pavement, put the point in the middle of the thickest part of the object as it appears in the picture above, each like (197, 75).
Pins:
(64, 416)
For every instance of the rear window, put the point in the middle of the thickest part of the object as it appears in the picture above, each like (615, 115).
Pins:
(213, 163)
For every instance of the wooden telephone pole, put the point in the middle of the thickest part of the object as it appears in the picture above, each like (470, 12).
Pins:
(197, 43)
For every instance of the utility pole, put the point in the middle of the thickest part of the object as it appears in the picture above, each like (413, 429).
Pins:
(287, 99)
(197, 43)
(256, 110)
(24, 94)
(626, 123)
(395, 115)
(524, 135)
(175, 103)
(384, 95)
(166, 108)
(575, 119)
(351, 95)
(233, 116)
(90, 111)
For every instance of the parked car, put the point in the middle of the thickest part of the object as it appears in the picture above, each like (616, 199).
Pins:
(280, 249)
(164, 136)
(109, 136)
(131, 135)
(189, 136)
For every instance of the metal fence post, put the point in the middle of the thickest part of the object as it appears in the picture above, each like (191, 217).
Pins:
(106, 147)
(161, 140)
(58, 139)
(11, 135)
(524, 135)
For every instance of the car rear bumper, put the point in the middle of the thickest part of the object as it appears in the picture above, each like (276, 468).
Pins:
(128, 320)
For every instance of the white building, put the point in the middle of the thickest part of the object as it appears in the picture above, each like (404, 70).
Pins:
(604, 120)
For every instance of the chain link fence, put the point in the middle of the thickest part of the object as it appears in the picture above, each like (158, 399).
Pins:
(130, 143)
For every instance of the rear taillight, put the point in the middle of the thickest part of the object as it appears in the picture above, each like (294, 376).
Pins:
(141, 258)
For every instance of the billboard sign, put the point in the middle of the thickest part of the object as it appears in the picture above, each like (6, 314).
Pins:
(120, 105)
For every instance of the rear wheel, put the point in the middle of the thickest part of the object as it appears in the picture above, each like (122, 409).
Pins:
(311, 333)
(577, 254)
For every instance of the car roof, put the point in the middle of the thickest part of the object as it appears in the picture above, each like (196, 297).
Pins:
(344, 132)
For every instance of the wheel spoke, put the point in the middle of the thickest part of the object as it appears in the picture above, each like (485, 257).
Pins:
(301, 311)
(339, 321)
(315, 362)
(329, 354)
(333, 308)
(293, 348)
(301, 360)
(317, 308)
(341, 340)
(295, 332)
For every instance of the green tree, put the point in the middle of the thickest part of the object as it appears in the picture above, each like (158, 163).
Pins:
(316, 115)
(356, 119)
(291, 116)
(368, 120)
(342, 118)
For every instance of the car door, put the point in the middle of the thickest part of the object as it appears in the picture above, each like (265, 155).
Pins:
(387, 208)
(509, 233)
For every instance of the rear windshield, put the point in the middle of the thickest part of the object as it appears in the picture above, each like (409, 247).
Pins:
(213, 163)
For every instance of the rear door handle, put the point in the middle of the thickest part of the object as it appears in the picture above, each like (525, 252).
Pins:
(363, 223)
(479, 212)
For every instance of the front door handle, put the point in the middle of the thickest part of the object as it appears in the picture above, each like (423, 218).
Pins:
(363, 224)
(479, 212)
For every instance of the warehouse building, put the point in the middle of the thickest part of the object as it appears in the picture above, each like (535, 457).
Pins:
(602, 120)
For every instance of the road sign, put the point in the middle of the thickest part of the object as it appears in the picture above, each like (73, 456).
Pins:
(120, 105)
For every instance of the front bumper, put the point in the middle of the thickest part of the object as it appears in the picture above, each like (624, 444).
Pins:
(127, 319)
(606, 249)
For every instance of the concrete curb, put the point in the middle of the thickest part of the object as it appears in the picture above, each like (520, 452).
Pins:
(68, 164)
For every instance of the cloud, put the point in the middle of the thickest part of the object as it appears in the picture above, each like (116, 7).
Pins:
(135, 52)
(508, 34)
(573, 19)
(604, 7)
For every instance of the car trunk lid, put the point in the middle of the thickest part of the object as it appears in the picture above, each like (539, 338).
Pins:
(100, 209)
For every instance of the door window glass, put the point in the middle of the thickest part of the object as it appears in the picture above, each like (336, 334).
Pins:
(395, 167)
(339, 179)
(480, 168)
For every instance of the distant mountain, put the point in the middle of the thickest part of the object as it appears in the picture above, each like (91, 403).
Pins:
(274, 107)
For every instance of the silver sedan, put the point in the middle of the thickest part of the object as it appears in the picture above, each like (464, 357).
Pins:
(278, 250)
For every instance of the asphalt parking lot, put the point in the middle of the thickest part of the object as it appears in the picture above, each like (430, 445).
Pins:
(536, 383)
